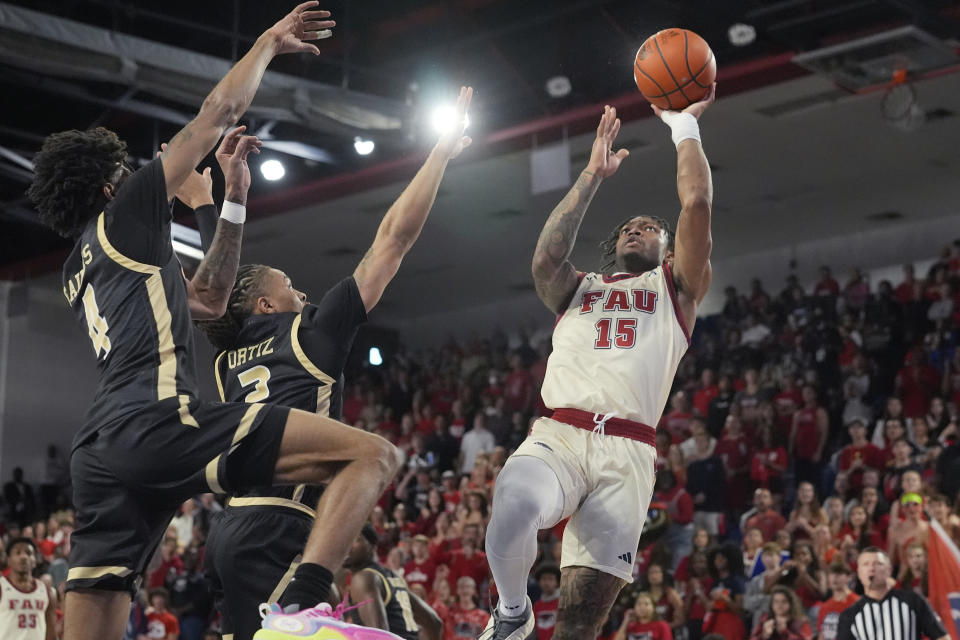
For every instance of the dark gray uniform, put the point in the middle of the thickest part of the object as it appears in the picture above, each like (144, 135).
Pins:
(147, 443)
(294, 360)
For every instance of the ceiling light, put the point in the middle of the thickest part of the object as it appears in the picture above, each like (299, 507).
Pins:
(558, 86)
(445, 118)
(363, 147)
(741, 34)
(375, 358)
(272, 169)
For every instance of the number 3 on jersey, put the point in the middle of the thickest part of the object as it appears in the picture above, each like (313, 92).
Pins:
(96, 324)
(258, 375)
(626, 333)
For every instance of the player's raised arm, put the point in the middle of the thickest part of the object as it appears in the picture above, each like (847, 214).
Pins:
(553, 274)
(403, 222)
(232, 95)
(209, 290)
(694, 242)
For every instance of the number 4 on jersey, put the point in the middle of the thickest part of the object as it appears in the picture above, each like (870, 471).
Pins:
(626, 333)
(96, 324)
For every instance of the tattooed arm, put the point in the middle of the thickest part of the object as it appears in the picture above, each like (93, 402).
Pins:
(553, 274)
(209, 290)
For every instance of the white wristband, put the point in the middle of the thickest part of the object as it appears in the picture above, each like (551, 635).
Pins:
(233, 212)
(683, 126)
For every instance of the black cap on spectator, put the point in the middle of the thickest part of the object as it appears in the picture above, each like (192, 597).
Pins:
(370, 533)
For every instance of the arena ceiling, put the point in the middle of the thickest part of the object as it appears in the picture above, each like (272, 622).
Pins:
(395, 59)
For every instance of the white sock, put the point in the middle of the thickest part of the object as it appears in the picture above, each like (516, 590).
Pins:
(527, 497)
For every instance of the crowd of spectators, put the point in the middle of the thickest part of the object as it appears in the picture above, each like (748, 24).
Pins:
(803, 426)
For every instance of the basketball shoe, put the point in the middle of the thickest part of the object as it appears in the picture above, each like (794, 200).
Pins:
(322, 622)
(501, 627)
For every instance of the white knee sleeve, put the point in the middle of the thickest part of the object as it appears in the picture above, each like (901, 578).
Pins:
(527, 497)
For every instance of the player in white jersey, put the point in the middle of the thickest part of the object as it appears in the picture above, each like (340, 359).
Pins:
(616, 346)
(27, 605)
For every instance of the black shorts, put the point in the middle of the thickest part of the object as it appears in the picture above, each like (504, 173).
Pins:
(130, 480)
(249, 559)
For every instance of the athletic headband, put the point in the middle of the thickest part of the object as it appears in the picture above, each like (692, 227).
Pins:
(911, 497)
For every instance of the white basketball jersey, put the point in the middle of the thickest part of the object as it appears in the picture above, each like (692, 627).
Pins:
(617, 346)
(23, 615)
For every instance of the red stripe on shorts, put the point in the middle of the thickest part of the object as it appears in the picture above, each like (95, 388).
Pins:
(612, 427)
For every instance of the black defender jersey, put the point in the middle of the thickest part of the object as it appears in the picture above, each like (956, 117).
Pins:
(126, 287)
(294, 360)
(396, 600)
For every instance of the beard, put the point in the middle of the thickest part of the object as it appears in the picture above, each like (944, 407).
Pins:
(636, 263)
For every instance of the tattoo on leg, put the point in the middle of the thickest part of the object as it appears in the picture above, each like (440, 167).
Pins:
(586, 596)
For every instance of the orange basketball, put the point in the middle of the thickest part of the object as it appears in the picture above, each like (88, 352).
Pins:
(674, 68)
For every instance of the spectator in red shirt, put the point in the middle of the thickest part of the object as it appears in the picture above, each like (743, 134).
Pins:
(679, 534)
(465, 621)
(545, 608)
(808, 437)
(643, 622)
(763, 516)
(518, 387)
(170, 564)
(425, 425)
(787, 402)
(708, 391)
(676, 422)
(785, 620)
(826, 286)
(421, 568)
(769, 459)
(841, 597)
(161, 624)
(859, 455)
(916, 383)
(911, 289)
(733, 450)
(469, 560)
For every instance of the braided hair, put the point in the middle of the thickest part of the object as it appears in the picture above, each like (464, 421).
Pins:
(224, 332)
(608, 248)
(69, 173)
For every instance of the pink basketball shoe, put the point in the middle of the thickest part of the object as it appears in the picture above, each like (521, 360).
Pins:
(322, 622)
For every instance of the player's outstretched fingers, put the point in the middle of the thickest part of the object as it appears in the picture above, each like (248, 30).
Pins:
(229, 142)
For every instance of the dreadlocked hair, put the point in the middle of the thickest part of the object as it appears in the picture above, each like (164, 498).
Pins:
(70, 171)
(224, 332)
(608, 248)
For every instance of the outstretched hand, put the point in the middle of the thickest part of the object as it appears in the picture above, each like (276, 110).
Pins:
(603, 161)
(696, 109)
(293, 33)
(453, 141)
(232, 157)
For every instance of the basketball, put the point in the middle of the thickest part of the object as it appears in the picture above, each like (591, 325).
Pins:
(674, 68)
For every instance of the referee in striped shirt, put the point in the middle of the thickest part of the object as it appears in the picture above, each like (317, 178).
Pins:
(884, 613)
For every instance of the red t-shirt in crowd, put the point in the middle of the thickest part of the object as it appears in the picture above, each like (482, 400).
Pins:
(658, 630)
(545, 613)
(677, 424)
(786, 403)
(827, 287)
(475, 566)
(679, 504)
(464, 624)
(158, 577)
(769, 522)
(517, 388)
(829, 617)
(734, 452)
(420, 572)
(160, 625)
(807, 437)
(702, 398)
(760, 472)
